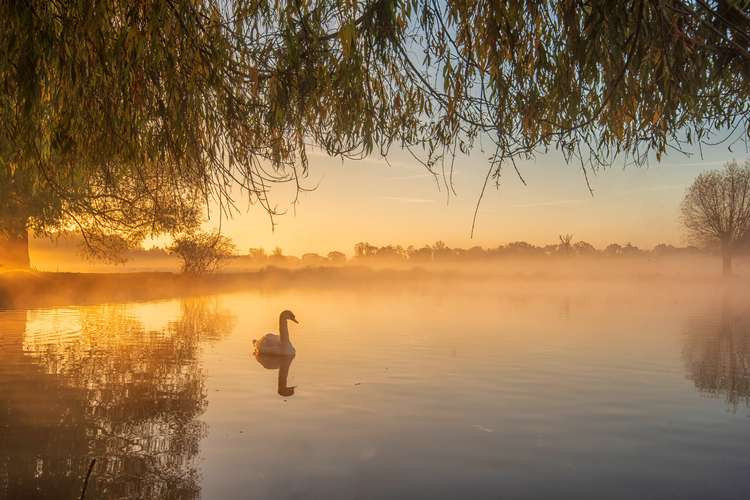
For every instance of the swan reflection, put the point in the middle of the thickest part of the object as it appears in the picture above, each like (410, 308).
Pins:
(281, 363)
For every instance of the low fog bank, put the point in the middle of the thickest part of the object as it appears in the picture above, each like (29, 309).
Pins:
(66, 254)
(61, 274)
(701, 274)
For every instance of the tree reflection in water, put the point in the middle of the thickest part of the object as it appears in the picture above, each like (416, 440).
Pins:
(717, 355)
(110, 390)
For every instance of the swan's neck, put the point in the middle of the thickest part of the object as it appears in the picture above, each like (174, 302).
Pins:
(284, 374)
(283, 331)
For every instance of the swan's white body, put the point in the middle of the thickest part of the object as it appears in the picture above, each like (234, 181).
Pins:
(277, 345)
(273, 345)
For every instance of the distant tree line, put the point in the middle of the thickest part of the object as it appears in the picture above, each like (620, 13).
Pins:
(201, 253)
(440, 252)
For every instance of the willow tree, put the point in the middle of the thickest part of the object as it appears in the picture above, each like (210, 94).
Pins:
(716, 209)
(131, 118)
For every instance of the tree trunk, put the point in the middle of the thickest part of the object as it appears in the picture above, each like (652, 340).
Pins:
(726, 259)
(14, 247)
(14, 223)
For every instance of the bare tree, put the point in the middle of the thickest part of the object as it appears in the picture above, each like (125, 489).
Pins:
(202, 252)
(716, 209)
(565, 246)
(364, 249)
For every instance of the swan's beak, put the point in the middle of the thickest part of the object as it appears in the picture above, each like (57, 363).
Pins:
(295, 320)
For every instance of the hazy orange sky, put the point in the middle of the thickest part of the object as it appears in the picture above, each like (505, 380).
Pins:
(368, 200)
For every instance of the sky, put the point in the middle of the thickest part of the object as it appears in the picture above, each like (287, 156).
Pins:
(370, 200)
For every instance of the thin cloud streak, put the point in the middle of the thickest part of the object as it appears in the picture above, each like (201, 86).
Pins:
(711, 163)
(402, 199)
(644, 189)
(371, 160)
(548, 203)
(409, 177)
(666, 187)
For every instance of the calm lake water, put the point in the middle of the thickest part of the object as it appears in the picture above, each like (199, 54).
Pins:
(401, 392)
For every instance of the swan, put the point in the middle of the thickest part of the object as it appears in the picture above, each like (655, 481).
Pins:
(277, 345)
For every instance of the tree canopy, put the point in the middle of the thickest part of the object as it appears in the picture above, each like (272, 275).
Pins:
(716, 209)
(125, 119)
(201, 252)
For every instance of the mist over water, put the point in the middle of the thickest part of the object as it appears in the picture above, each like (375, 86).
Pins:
(419, 389)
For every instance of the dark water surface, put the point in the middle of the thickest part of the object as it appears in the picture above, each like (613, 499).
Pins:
(412, 392)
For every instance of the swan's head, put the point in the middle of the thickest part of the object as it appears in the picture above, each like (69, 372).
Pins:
(288, 315)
